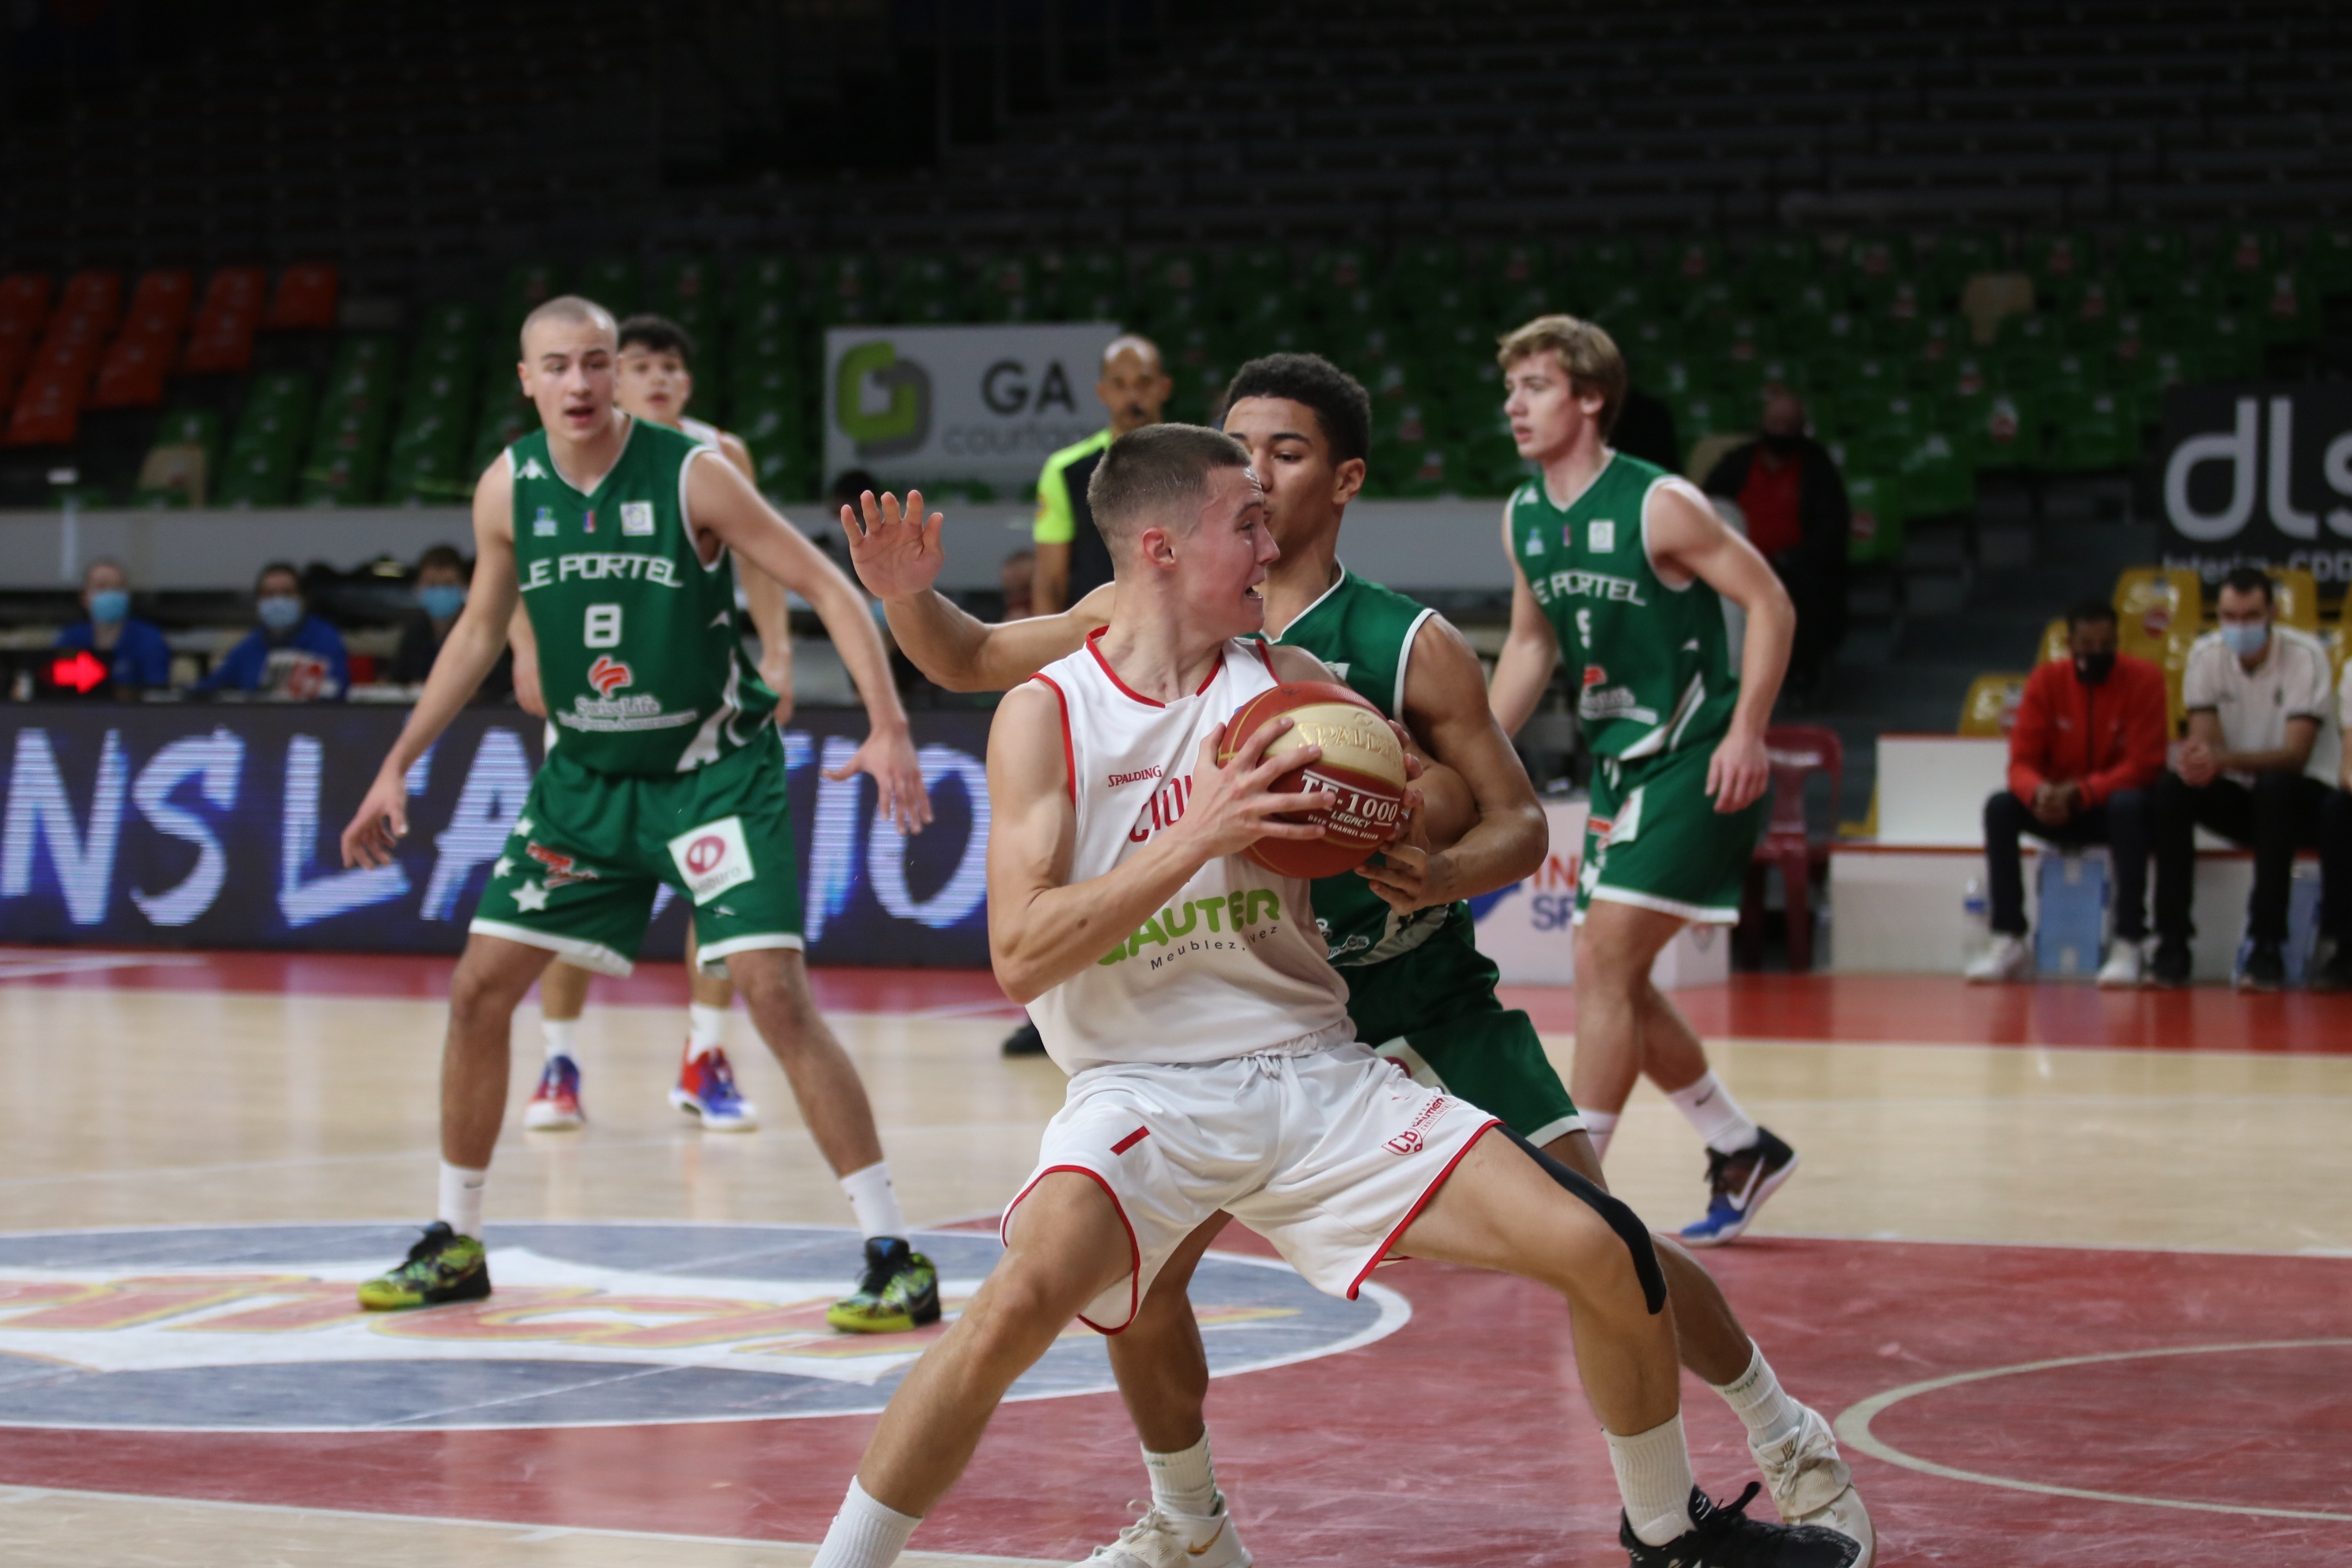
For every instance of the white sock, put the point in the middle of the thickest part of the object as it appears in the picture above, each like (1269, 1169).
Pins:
(559, 1032)
(864, 1533)
(874, 1201)
(706, 1029)
(1600, 1126)
(1184, 1482)
(1653, 1477)
(1762, 1405)
(1708, 1107)
(461, 1198)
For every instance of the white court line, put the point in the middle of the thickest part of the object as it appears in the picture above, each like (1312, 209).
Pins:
(523, 1532)
(1853, 1427)
(20, 964)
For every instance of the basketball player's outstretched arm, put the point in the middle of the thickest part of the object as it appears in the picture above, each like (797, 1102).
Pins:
(1042, 927)
(722, 502)
(466, 657)
(1529, 651)
(1445, 711)
(1686, 539)
(897, 557)
(764, 598)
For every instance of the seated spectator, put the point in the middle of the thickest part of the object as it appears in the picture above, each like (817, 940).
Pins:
(1799, 519)
(292, 654)
(441, 576)
(2084, 754)
(139, 655)
(2257, 694)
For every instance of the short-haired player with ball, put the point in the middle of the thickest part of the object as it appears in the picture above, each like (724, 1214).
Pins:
(1215, 1069)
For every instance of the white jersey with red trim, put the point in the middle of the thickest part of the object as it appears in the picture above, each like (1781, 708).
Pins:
(1234, 964)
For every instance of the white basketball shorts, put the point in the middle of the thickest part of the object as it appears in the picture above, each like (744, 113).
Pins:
(1328, 1155)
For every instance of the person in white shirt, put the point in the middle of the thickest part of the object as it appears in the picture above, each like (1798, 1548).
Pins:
(1189, 994)
(2258, 695)
(2331, 961)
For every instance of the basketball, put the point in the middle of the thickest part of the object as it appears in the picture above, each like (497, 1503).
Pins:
(1362, 766)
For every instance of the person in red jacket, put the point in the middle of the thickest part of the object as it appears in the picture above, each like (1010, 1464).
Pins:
(2083, 758)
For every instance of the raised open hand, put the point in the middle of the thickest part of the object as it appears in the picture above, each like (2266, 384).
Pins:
(895, 552)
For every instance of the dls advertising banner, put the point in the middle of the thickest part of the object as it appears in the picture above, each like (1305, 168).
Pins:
(917, 405)
(2261, 475)
(217, 827)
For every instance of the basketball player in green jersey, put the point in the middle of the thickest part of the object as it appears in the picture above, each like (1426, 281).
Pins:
(653, 382)
(1625, 571)
(665, 769)
(1419, 991)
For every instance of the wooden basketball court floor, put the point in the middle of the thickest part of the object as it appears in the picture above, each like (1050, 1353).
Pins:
(2070, 1271)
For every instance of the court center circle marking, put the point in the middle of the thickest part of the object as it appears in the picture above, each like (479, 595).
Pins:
(1854, 1428)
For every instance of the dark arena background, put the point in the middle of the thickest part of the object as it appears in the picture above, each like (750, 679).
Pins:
(2010, 336)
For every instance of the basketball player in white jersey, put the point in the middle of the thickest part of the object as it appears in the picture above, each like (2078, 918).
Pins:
(1187, 991)
(652, 380)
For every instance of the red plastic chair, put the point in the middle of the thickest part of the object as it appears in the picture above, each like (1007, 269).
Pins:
(1797, 752)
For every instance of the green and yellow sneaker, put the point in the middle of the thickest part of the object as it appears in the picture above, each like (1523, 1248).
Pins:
(442, 1267)
(900, 1290)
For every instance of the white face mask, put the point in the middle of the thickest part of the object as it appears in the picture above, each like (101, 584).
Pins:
(2246, 639)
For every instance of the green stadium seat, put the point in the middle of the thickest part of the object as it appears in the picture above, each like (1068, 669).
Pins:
(2009, 433)
(528, 285)
(2289, 314)
(1092, 286)
(1008, 288)
(686, 286)
(2060, 263)
(2244, 261)
(846, 289)
(612, 282)
(2147, 262)
(260, 468)
(1518, 282)
(1938, 481)
(2327, 258)
(1946, 265)
(1694, 262)
(1878, 529)
(1874, 264)
(1781, 265)
(2091, 429)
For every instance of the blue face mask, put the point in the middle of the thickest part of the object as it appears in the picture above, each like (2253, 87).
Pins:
(281, 612)
(442, 601)
(108, 605)
(2247, 641)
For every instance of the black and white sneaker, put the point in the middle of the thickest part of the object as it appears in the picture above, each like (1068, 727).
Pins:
(1725, 1537)
(2265, 968)
(1738, 1184)
(1024, 1041)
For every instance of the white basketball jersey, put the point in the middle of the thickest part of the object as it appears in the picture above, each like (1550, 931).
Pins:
(1234, 964)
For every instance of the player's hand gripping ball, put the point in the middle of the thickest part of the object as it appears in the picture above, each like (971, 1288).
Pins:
(1362, 767)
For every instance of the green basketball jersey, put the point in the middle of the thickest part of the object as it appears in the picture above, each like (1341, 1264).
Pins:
(1654, 661)
(639, 652)
(1363, 631)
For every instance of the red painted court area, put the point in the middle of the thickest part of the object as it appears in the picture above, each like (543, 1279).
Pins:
(1914, 1009)
(1462, 1439)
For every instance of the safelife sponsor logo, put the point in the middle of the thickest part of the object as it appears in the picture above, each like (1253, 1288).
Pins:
(925, 404)
(257, 1329)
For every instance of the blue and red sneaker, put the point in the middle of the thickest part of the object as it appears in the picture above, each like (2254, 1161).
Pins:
(555, 1104)
(706, 1088)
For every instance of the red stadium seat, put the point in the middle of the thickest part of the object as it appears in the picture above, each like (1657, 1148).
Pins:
(305, 298)
(23, 311)
(48, 412)
(95, 295)
(226, 322)
(131, 373)
(1797, 752)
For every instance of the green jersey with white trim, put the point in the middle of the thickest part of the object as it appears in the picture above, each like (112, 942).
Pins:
(1653, 660)
(1364, 631)
(639, 652)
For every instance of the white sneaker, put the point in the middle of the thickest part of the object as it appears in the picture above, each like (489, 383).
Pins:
(2126, 961)
(1810, 1484)
(2009, 958)
(1162, 1539)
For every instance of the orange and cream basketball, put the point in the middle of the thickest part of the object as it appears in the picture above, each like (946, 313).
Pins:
(1362, 767)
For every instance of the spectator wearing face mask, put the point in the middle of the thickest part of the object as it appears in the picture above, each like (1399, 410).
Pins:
(291, 654)
(135, 649)
(2258, 695)
(441, 578)
(2086, 752)
(1790, 491)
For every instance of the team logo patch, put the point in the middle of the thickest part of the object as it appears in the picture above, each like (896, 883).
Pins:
(1603, 535)
(608, 675)
(1535, 544)
(562, 870)
(713, 858)
(543, 525)
(636, 517)
(256, 1329)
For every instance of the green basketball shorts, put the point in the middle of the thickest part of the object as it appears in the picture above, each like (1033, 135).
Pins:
(1655, 839)
(1434, 1011)
(579, 874)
